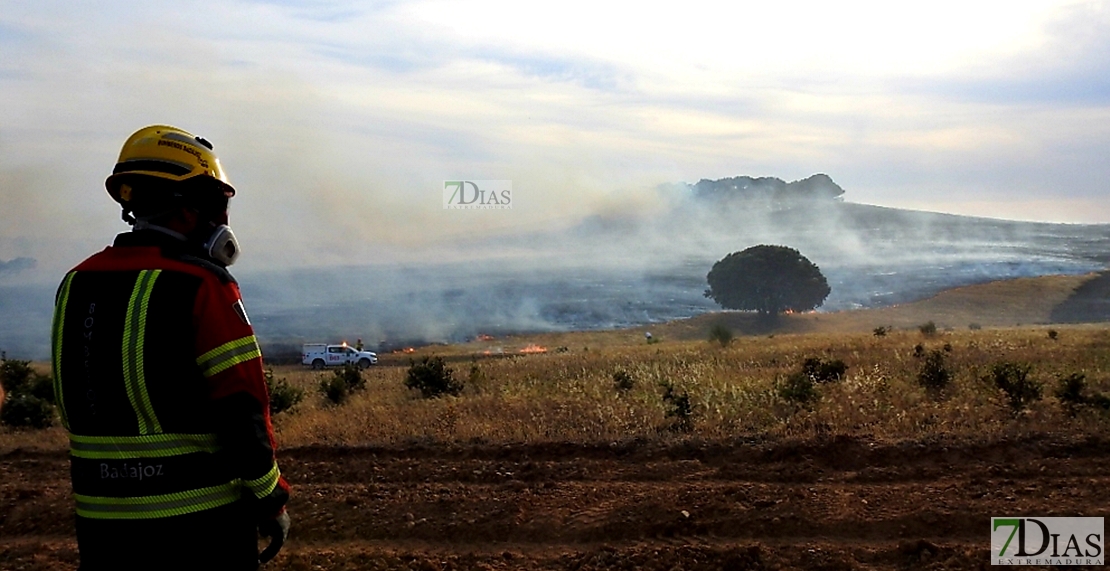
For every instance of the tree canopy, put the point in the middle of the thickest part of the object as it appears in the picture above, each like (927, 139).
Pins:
(767, 279)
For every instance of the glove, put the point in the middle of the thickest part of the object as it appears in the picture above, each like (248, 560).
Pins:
(277, 529)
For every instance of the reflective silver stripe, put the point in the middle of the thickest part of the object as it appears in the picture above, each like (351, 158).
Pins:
(166, 505)
(150, 446)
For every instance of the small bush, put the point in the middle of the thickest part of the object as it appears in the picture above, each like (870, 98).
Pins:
(1053, 334)
(433, 378)
(880, 331)
(342, 383)
(919, 350)
(720, 333)
(974, 326)
(29, 396)
(476, 377)
(26, 411)
(824, 371)
(283, 396)
(351, 374)
(1013, 379)
(928, 329)
(933, 375)
(17, 377)
(797, 389)
(679, 408)
(1070, 390)
(623, 381)
(335, 389)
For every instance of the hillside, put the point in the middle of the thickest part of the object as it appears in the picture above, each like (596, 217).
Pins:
(1005, 303)
(1021, 301)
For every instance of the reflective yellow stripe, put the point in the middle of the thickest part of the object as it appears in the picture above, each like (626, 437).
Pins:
(228, 355)
(150, 446)
(262, 487)
(165, 505)
(59, 324)
(134, 334)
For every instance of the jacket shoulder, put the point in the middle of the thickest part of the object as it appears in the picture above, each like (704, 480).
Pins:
(212, 267)
(151, 258)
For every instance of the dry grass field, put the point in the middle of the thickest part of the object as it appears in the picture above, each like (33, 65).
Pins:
(569, 455)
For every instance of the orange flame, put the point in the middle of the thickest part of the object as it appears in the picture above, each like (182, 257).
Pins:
(533, 348)
(484, 337)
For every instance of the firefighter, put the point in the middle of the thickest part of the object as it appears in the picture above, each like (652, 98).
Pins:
(158, 377)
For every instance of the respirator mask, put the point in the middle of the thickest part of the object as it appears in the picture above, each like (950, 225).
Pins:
(222, 246)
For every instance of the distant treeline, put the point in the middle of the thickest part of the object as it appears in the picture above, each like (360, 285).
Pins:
(816, 187)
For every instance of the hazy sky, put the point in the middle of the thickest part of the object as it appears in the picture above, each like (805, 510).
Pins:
(338, 121)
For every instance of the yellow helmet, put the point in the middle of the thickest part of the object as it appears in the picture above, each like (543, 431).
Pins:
(165, 153)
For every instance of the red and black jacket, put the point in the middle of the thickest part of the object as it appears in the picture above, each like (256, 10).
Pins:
(159, 380)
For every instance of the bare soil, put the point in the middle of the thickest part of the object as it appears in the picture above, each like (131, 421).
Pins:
(834, 503)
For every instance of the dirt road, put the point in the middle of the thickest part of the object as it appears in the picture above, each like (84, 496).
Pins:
(833, 504)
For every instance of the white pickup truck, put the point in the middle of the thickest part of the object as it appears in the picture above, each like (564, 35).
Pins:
(320, 355)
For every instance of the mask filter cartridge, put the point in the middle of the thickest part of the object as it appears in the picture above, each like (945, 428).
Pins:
(222, 245)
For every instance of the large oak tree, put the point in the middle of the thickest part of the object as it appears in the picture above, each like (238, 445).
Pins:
(767, 279)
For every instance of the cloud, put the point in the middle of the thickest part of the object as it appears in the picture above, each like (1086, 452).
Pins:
(338, 121)
(15, 266)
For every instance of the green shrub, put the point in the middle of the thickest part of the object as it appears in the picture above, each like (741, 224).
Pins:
(720, 333)
(1013, 379)
(623, 381)
(933, 374)
(283, 396)
(476, 378)
(26, 411)
(928, 329)
(17, 377)
(824, 371)
(1070, 390)
(29, 396)
(433, 378)
(679, 408)
(335, 389)
(351, 374)
(880, 331)
(1053, 334)
(342, 383)
(798, 389)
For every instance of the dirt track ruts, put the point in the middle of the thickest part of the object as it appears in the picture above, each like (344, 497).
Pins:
(837, 503)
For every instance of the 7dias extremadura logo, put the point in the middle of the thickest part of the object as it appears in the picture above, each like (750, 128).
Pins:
(477, 195)
(1046, 541)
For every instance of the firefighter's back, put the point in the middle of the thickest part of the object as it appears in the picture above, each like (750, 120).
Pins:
(152, 486)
